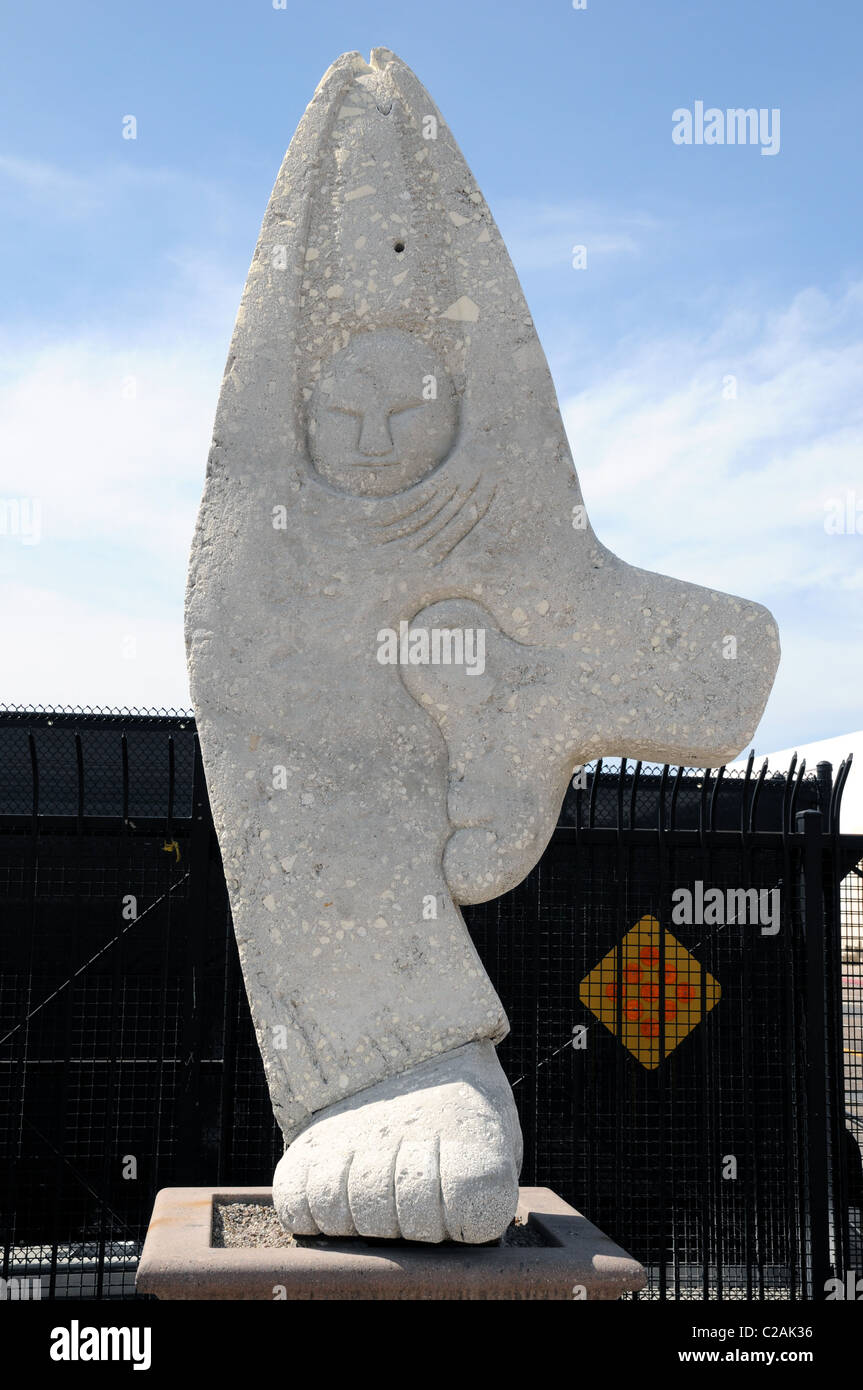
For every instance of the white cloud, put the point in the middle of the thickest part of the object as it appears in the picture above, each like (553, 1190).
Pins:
(732, 493)
(541, 236)
(74, 195)
(110, 439)
(726, 492)
(69, 652)
(728, 484)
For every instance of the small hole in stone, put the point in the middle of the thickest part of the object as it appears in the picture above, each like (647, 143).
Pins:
(398, 247)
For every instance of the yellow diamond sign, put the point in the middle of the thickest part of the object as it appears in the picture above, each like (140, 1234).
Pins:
(635, 1005)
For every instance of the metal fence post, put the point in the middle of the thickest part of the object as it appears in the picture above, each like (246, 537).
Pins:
(190, 1128)
(808, 824)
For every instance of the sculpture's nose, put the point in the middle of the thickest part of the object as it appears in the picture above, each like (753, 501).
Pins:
(376, 440)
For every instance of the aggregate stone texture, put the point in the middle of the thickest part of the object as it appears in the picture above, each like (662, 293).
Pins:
(390, 485)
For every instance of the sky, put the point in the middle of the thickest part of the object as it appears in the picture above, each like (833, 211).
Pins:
(706, 344)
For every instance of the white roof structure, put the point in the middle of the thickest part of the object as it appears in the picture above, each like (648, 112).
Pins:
(829, 750)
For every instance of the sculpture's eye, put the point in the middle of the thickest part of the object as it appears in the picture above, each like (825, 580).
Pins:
(409, 405)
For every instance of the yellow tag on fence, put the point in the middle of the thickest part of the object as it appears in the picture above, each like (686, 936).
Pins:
(629, 1004)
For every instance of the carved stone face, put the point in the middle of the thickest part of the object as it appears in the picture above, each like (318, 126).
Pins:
(382, 416)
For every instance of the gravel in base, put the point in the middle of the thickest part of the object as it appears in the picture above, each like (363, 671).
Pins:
(245, 1225)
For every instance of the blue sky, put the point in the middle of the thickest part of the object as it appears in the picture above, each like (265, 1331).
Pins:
(123, 262)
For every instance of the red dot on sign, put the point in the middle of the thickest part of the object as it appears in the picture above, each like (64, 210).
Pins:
(631, 974)
(633, 1011)
(671, 1011)
(650, 1030)
(611, 991)
(686, 992)
(670, 974)
(649, 955)
(650, 991)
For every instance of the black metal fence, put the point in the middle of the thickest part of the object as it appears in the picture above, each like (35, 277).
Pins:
(673, 970)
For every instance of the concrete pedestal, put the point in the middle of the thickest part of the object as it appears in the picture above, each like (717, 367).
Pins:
(574, 1261)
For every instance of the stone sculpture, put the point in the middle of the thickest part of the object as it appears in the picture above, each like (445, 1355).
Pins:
(390, 482)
